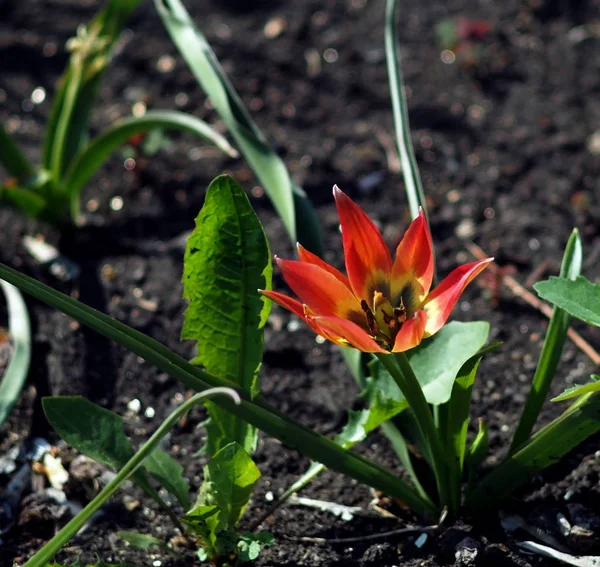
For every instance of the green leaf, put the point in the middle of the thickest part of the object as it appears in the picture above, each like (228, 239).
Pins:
(256, 411)
(141, 541)
(98, 433)
(67, 127)
(477, 453)
(92, 156)
(579, 298)
(579, 390)
(226, 261)
(26, 200)
(458, 410)
(551, 350)
(169, 473)
(456, 423)
(290, 202)
(437, 361)
(92, 430)
(479, 448)
(17, 369)
(229, 480)
(13, 159)
(251, 544)
(544, 448)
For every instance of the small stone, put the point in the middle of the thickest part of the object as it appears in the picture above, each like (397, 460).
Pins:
(467, 552)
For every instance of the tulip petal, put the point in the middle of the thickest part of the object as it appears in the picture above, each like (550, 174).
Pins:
(295, 307)
(368, 260)
(349, 333)
(310, 258)
(442, 299)
(414, 259)
(411, 333)
(321, 291)
(285, 301)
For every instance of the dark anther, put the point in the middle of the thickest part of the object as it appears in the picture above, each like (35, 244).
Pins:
(370, 318)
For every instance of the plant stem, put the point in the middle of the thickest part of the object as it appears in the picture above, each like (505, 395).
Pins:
(63, 536)
(402, 373)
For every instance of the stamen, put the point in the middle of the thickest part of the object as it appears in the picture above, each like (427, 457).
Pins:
(370, 318)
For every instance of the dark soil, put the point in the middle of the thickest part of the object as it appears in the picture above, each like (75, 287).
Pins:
(508, 157)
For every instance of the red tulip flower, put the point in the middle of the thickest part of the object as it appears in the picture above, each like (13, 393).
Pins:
(382, 305)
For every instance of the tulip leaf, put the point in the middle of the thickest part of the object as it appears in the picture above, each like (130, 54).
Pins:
(544, 448)
(579, 390)
(226, 261)
(291, 203)
(580, 298)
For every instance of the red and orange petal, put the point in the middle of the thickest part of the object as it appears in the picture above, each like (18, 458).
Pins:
(414, 258)
(368, 260)
(310, 258)
(349, 332)
(411, 333)
(441, 300)
(319, 289)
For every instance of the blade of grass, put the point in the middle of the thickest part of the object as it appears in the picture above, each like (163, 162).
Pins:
(547, 446)
(410, 169)
(13, 159)
(66, 533)
(90, 158)
(256, 411)
(15, 373)
(552, 349)
(290, 202)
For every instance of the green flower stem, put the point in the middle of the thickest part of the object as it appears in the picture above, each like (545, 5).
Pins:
(405, 378)
(63, 536)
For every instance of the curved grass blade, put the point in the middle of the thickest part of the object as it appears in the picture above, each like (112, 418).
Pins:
(256, 411)
(94, 154)
(290, 202)
(15, 373)
(410, 169)
(132, 465)
(552, 349)
(544, 448)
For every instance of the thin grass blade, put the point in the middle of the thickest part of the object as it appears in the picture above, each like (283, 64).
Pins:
(410, 169)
